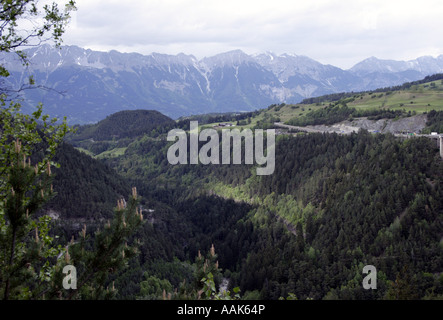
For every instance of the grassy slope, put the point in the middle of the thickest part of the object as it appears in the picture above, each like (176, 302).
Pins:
(420, 98)
(424, 97)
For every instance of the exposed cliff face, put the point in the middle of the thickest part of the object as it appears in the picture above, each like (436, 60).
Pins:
(409, 124)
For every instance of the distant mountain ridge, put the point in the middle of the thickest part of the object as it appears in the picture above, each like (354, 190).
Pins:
(96, 84)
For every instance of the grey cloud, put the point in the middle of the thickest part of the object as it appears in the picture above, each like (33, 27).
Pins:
(329, 31)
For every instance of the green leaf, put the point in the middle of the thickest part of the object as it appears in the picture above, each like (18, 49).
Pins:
(4, 72)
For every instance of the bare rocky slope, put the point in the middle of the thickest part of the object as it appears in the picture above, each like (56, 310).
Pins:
(409, 124)
(413, 124)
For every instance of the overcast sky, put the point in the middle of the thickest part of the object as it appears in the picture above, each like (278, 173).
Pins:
(337, 32)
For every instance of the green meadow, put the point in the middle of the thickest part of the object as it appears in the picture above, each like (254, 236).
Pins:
(420, 98)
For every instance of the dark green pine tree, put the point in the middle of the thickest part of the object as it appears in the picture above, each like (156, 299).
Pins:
(403, 288)
(31, 266)
(108, 251)
(25, 247)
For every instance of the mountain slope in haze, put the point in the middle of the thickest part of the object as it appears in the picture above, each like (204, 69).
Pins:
(306, 76)
(425, 64)
(88, 85)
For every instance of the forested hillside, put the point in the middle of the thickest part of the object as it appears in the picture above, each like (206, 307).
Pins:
(333, 205)
(435, 122)
(123, 124)
(85, 188)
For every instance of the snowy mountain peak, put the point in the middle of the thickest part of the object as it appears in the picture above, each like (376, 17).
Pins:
(230, 59)
(424, 64)
(100, 83)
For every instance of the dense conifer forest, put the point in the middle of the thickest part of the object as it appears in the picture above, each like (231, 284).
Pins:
(333, 205)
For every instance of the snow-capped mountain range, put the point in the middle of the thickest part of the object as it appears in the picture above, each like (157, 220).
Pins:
(87, 85)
